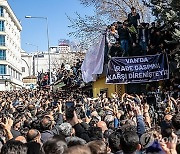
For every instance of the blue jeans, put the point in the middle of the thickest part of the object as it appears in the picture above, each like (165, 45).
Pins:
(125, 46)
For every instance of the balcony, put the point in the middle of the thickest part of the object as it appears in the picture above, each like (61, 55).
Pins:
(5, 77)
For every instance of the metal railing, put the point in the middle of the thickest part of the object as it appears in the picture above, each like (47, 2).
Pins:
(5, 77)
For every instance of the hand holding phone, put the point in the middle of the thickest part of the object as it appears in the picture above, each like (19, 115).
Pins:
(69, 111)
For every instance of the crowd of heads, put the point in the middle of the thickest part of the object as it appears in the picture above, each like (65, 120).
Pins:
(44, 122)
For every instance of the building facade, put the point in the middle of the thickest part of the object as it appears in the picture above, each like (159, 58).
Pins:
(10, 49)
(27, 64)
(58, 55)
(99, 87)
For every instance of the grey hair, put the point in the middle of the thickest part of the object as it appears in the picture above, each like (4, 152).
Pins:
(65, 129)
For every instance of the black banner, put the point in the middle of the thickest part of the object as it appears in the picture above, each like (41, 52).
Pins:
(139, 69)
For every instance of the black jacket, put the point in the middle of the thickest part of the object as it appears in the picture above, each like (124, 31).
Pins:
(81, 132)
(124, 34)
(33, 148)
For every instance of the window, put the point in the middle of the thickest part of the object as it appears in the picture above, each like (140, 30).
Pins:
(2, 54)
(1, 11)
(2, 40)
(23, 69)
(2, 26)
(2, 69)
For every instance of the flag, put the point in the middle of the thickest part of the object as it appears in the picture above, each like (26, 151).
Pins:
(93, 61)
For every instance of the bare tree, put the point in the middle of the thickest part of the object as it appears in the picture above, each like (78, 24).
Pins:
(56, 61)
(117, 9)
(88, 28)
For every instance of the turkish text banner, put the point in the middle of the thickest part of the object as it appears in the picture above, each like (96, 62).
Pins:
(123, 70)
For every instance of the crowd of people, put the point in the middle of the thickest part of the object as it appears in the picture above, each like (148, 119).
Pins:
(69, 75)
(39, 121)
(128, 38)
(42, 122)
(132, 38)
